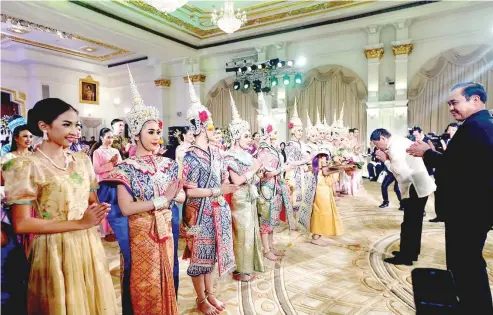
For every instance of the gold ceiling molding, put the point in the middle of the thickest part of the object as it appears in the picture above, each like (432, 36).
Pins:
(374, 53)
(248, 9)
(117, 50)
(196, 78)
(64, 50)
(405, 49)
(252, 23)
(162, 82)
(21, 99)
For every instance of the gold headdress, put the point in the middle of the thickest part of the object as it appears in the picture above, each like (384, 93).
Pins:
(266, 123)
(295, 121)
(237, 126)
(139, 114)
(310, 129)
(197, 115)
(326, 126)
(337, 126)
(319, 124)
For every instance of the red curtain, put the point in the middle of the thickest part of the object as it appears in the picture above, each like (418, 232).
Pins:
(9, 109)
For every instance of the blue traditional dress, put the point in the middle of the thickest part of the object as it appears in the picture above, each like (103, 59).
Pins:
(207, 221)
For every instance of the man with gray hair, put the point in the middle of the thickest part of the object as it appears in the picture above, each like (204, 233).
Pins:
(464, 177)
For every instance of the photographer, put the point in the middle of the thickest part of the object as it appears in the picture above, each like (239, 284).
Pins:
(465, 194)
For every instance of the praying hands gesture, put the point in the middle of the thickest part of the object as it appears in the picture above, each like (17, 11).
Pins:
(382, 156)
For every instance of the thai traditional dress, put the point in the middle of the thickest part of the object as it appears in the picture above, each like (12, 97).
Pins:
(102, 167)
(180, 155)
(150, 236)
(24, 239)
(207, 221)
(68, 271)
(273, 191)
(246, 234)
(325, 217)
(302, 183)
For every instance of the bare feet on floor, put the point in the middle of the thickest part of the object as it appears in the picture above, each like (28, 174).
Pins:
(278, 252)
(206, 308)
(271, 256)
(219, 305)
(320, 242)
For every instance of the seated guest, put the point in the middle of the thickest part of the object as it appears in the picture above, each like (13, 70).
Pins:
(375, 167)
(450, 131)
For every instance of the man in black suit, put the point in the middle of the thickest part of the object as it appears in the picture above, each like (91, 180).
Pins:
(464, 178)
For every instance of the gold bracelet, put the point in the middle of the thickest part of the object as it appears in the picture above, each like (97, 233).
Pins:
(160, 203)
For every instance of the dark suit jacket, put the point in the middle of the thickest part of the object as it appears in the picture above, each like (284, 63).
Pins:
(464, 173)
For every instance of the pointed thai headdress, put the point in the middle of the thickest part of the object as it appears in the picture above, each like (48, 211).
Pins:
(319, 125)
(266, 123)
(197, 114)
(295, 121)
(237, 126)
(139, 114)
(310, 129)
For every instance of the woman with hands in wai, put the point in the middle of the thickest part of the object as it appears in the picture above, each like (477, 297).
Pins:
(244, 171)
(66, 254)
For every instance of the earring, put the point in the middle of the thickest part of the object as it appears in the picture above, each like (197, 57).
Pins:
(45, 135)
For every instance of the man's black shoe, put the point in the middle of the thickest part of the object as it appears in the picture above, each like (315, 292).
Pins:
(436, 220)
(398, 253)
(397, 260)
(401, 208)
(384, 205)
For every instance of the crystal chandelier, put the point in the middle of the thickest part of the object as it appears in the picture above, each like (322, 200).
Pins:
(227, 19)
(166, 6)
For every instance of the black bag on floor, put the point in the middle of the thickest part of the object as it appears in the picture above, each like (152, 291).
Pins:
(434, 292)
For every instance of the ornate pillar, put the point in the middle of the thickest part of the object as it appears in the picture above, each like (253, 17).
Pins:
(166, 109)
(373, 52)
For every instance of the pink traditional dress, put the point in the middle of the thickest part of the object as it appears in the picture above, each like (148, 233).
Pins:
(102, 167)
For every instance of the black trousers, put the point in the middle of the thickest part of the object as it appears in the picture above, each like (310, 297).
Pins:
(374, 170)
(464, 244)
(389, 179)
(412, 225)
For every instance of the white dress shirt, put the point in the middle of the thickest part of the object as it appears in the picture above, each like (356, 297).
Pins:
(407, 169)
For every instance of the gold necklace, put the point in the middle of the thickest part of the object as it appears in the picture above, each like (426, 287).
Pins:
(54, 164)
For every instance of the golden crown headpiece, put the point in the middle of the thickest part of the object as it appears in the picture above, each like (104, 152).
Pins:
(237, 126)
(310, 129)
(295, 121)
(338, 124)
(197, 114)
(266, 123)
(139, 114)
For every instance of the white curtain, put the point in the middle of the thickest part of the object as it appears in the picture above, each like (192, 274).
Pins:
(219, 104)
(327, 88)
(431, 86)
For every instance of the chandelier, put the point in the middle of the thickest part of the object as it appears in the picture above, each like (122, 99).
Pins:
(227, 19)
(166, 6)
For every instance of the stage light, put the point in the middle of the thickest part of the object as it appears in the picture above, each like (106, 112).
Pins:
(298, 79)
(286, 80)
(274, 62)
(301, 61)
(290, 63)
(254, 67)
(246, 84)
(239, 70)
(244, 69)
(249, 68)
(257, 85)
(259, 66)
(274, 82)
(236, 85)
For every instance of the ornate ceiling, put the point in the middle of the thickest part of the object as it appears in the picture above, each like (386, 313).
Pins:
(192, 25)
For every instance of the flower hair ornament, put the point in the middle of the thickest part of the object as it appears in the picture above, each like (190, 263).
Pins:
(237, 126)
(295, 121)
(139, 114)
(198, 115)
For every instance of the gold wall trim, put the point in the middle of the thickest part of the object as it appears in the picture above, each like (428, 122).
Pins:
(21, 99)
(196, 78)
(162, 82)
(374, 53)
(65, 50)
(405, 49)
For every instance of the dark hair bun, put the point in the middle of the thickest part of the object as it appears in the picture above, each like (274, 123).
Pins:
(47, 111)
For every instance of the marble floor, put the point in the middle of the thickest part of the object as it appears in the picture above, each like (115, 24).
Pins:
(347, 277)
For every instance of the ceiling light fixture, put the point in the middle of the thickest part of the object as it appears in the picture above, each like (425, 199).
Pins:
(88, 49)
(227, 20)
(166, 6)
(17, 30)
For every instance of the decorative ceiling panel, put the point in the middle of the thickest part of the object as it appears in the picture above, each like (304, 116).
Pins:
(25, 32)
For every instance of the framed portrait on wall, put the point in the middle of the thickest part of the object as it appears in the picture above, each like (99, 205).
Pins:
(88, 91)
